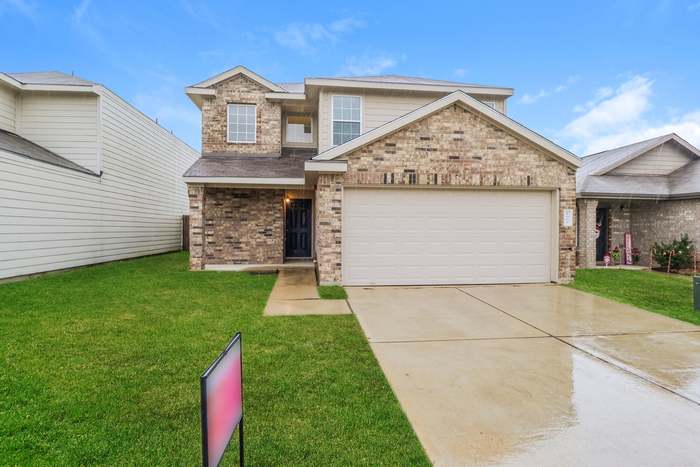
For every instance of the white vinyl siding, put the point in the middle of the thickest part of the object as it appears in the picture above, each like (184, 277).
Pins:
(422, 236)
(662, 160)
(7, 109)
(54, 218)
(241, 123)
(65, 123)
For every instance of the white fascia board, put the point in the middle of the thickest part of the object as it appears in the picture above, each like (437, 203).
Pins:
(197, 94)
(240, 70)
(326, 167)
(339, 83)
(10, 80)
(475, 106)
(285, 96)
(245, 180)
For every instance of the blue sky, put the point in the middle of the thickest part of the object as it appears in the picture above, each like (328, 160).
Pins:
(588, 75)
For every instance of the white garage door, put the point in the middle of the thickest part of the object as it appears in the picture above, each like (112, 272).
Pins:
(414, 236)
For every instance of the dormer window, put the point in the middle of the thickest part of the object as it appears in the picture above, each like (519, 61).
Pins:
(347, 122)
(241, 123)
(490, 104)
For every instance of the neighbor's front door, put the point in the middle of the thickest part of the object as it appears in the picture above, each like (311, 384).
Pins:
(299, 228)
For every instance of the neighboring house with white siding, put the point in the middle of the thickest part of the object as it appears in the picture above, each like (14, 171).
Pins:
(85, 178)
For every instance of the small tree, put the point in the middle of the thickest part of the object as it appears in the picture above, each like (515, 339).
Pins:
(683, 252)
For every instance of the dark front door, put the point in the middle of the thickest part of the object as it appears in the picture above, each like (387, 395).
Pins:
(299, 228)
(601, 225)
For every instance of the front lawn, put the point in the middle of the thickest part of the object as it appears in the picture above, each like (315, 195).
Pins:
(332, 292)
(101, 366)
(665, 295)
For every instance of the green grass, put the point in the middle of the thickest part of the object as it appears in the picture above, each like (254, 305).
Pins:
(101, 366)
(665, 295)
(332, 292)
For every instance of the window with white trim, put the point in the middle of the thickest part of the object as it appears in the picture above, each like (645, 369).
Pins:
(299, 130)
(490, 104)
(241, 123)
(347, 120)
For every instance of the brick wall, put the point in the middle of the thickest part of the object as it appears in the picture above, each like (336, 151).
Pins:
(242, 226)
(196, 195)
(241, 90)
(450, 148)
(586, 233)
(663, 221)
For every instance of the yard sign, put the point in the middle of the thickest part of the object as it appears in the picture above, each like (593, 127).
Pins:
(222, 404)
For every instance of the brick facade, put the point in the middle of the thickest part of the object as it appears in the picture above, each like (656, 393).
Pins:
(196, 195)
(241, 90)
(243, 226)
(586, 233)
(649, 222)
(450, 148)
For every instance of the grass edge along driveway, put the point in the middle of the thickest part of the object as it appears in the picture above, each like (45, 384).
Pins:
(101, 366)
(666, 295)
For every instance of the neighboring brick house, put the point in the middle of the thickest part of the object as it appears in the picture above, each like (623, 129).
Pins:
(649, 189)
(383, 180)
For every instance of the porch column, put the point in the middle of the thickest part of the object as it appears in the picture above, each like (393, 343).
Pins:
(586, 232)
(196, 195)
(329, 200)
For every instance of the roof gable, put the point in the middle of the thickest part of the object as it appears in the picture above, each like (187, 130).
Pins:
(239, 70)
(608, 161)
(471, 104)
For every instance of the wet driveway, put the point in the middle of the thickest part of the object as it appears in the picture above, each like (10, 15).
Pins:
(537, 375)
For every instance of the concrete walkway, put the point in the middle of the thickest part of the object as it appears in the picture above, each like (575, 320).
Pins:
(537, 375)
(295, 293)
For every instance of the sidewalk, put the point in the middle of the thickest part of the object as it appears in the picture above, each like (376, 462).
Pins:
(295, 294)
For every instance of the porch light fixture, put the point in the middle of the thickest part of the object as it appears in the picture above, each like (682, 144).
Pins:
(286, 200)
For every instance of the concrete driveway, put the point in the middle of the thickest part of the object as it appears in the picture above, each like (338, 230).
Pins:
(537, 375)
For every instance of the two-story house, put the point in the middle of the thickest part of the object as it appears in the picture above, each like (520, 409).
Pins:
(383, 180)
(85, 178)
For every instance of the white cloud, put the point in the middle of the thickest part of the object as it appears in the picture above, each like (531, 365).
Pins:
(367, 64)
(80, 10)
(532, 98)
(460, 73)
(622, 117)
(307, 38)
(694, 7)
(23, 7)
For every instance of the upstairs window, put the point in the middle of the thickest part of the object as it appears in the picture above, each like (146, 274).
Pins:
(241, 123)
(346, 118)
(299, 130)
(490, 104)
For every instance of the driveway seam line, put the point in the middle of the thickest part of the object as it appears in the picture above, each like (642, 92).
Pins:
(588, 353)
(461, 340)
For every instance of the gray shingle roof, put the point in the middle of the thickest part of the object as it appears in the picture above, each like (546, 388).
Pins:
(288, 164)
(682, 183)
(15, 144)
(396, 79)
(49, 77)
(296, 88)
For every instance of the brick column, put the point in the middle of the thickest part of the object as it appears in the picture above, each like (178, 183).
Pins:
(329, 200)
(196, 195)
(586, 232)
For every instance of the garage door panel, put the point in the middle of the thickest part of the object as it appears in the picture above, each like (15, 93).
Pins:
(424, 236)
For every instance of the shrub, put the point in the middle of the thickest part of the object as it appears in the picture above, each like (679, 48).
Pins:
(682, 248)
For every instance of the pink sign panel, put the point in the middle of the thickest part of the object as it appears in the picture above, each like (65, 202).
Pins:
(222, 403)
(629, 253)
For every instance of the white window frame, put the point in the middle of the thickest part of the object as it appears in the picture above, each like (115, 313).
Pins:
(255, 129)
(333, 120)
(286, 129)
(491, 104)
